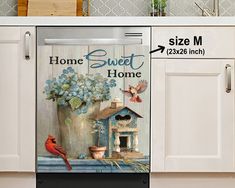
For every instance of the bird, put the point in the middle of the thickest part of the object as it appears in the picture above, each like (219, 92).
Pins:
(57, 150)
(133, 92)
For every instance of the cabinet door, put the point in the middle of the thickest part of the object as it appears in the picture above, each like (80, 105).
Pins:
(17, 99)
(192, 116)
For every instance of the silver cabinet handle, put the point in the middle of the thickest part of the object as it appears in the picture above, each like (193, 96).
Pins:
(228, 78)
(27, 44)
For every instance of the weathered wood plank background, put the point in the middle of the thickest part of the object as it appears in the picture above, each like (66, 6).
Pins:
(47, 121)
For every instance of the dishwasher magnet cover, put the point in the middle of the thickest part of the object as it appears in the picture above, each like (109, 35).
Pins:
(93, 108)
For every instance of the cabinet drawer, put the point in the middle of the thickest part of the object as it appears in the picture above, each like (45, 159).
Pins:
(218, 42)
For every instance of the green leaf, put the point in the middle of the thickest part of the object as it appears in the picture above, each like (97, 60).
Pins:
(68, 121)
(49, 97)
(65, 87)
(75, 103)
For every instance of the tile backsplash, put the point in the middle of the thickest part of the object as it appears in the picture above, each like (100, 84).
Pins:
(143, 7)
(137, 7)
(119, 8)
(188, 7)
(8, 7)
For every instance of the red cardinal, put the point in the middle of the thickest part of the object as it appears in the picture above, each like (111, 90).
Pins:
(53, 148)
(134, 91)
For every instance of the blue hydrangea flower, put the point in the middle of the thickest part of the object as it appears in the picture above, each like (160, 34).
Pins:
(70, 69)
(65, 71)
(88, 88)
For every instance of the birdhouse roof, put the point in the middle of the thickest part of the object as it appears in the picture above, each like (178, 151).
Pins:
(107, 112)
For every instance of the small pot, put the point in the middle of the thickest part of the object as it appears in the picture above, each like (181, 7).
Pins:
(97, 152)
(157, 14)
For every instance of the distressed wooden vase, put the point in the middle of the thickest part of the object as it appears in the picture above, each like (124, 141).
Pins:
(76, 136)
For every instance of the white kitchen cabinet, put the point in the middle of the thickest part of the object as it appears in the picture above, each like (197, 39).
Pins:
(192, 115)
(17, 180)
(192, 180)
(17, 99)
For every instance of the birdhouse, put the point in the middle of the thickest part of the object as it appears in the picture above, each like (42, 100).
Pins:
(121, 130)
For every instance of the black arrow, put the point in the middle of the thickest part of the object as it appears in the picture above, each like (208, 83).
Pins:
(160, 48)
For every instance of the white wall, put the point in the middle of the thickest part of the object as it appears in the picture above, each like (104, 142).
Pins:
(17, 180)
(193, 180)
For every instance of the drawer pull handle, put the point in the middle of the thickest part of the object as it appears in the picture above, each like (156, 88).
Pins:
(27, 44)
(228, 78)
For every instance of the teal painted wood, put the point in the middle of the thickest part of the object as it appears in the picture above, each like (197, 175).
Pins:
(54, 165)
